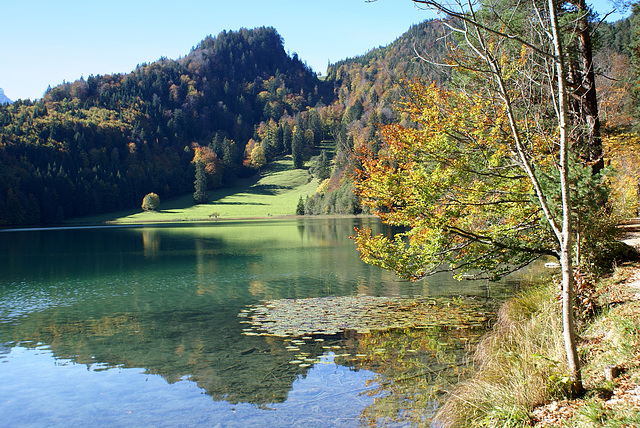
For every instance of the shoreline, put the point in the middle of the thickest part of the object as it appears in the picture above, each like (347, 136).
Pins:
(522, 361)
(76, 225)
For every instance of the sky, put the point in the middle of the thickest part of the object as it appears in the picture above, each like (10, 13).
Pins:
(45, 42)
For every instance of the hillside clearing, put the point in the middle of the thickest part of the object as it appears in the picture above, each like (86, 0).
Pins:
(275, 191)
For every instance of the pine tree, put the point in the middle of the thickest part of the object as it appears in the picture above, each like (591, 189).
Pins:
(300, 207)
(323, 167)
(200, 192)
(286, 137)
(297, 147)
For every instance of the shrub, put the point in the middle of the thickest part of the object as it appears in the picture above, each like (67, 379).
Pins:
(151, 202)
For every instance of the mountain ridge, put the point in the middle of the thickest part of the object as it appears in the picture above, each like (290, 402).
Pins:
(100, 144)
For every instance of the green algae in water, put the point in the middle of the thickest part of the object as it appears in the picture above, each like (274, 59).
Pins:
(332, 315)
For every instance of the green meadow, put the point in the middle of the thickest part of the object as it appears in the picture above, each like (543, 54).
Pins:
(274, 191)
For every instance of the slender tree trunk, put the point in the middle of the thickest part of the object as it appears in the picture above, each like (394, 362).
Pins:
(568, 322)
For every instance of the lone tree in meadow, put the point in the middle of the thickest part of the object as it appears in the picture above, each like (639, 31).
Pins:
(300, 207)
(151, 202)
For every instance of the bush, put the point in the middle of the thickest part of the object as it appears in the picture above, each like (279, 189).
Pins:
(151, 202)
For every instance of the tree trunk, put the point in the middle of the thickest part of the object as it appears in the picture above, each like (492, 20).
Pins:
(588, 97)
(568, 322)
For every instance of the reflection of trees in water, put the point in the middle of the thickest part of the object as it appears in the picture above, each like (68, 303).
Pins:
(253, 369)
(415, 367)
(180, 320)
(150, 243)
(331, 230)
(415, 370)
(227, 365)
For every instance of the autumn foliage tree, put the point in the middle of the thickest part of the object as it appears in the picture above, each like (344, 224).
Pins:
(258, 158)
(151, 202)
(483, 180)
(212, 164)
(454, 182)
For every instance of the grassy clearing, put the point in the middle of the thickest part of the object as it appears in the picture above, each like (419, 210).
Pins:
(521, 377)
(274, 192)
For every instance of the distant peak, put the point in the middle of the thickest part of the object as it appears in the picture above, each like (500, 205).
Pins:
(3, 98)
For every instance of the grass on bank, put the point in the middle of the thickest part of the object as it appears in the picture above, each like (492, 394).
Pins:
(275, 191)
(522, 378)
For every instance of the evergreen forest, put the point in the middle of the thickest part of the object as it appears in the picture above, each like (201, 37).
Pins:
(236, 102)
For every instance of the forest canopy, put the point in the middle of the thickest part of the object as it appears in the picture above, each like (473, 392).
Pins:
(100, 144)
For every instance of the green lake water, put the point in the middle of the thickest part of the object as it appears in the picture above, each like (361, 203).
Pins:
(139, 326)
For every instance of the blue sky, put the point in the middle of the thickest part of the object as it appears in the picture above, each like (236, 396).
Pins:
(45, 42)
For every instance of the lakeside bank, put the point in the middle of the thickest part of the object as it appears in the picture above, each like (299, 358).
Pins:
(521, 378)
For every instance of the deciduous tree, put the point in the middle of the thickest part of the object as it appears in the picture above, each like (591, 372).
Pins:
(212, 165)
(151, 202)
(482, 181)
(258, 158)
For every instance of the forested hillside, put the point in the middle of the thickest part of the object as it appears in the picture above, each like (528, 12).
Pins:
(236, 101)
(366, 89)
(100, 144)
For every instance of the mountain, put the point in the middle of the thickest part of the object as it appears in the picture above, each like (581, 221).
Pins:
(101, 144)
(3, 98)
(367, 87)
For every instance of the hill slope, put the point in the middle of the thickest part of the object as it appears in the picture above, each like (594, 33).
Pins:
(100, 144)
(274, 192)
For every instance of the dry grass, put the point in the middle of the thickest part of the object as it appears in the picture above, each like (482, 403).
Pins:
(519, 365)
(521, 381)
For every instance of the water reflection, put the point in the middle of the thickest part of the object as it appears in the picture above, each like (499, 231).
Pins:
(165, 300)
(151, 242)
(43, 390)
(177, 345)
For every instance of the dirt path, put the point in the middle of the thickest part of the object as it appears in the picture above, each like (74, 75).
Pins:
(632, 237)
(632, 232)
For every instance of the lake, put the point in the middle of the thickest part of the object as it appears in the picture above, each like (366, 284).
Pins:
(140, 326)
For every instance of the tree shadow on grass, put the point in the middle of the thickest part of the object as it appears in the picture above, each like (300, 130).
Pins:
(277, 167)
(266, 189)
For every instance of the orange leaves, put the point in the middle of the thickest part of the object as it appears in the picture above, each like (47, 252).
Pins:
(451, 178)
(431, 161)
(212, 165)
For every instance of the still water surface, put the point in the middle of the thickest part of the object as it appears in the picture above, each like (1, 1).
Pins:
(139, 326)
